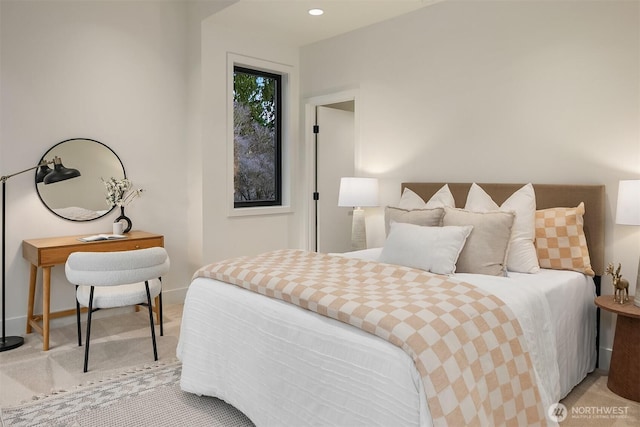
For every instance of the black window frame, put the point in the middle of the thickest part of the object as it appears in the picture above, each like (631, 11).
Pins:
(277, 200)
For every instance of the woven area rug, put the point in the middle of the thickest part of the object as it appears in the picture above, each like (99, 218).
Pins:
(145, 397)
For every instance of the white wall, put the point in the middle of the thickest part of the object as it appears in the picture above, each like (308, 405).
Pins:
(198, 11)
(544, 92)
(224, 235)
(112, 71)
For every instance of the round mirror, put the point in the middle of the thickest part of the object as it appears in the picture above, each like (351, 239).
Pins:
(82, 198)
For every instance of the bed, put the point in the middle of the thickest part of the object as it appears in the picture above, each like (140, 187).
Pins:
(284, 365)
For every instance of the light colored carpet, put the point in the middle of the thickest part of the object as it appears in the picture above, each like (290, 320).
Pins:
(591, 403)
(120, 339)
(150, 396)
(121, 351)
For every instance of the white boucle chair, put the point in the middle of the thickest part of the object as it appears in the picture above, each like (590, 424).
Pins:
(117, 279)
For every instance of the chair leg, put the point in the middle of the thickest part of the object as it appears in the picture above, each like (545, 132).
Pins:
(78, 320)
(86, 347)
(153, 331)
(161, 319)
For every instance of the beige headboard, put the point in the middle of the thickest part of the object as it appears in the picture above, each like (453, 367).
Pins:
(547, 196)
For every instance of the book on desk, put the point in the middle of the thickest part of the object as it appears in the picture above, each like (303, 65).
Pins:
(97, 237)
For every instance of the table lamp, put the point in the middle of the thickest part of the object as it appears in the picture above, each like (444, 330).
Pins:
(48, 176)
(358, 193)
(628, 213)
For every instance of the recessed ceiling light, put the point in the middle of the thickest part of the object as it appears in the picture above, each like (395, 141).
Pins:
(316, 12)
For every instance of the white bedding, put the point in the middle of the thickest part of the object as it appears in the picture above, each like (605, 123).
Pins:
(570, 298)
(273, 360)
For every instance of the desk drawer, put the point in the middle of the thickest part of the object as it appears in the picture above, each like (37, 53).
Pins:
(123, 245)
(59, 255)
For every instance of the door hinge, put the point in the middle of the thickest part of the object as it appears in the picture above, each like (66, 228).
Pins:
(316, 129)
(316, 196)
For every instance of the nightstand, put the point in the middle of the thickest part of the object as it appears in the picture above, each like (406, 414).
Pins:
(624, 371)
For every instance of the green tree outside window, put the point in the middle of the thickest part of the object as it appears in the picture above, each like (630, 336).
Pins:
(257, 138)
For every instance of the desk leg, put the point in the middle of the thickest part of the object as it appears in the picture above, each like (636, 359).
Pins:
(46, 303)
(32, 296)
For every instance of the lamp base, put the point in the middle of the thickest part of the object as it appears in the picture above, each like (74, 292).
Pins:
(358, 230)
(9, 343)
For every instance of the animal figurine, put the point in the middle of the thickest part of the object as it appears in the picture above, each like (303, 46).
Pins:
(620, 285)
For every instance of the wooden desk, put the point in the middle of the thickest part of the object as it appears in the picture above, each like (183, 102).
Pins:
(624, 370)
(47, 252)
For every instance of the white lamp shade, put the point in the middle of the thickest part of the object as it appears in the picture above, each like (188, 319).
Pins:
(358, 192)
(628, 208)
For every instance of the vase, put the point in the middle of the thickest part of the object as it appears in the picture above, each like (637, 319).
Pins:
(126, 220)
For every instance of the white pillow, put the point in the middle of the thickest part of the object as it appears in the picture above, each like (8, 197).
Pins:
(410, 200)
(442, 198)
(521, 256)
(434, 249)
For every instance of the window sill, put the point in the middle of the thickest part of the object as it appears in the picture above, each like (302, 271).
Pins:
(259, 211)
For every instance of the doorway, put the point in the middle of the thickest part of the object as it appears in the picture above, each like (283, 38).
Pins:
(335, 160)
(332, 155)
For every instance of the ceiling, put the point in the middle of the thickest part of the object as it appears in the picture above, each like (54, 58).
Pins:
(289, 21)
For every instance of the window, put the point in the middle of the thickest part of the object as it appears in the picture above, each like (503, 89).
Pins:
(257, 138)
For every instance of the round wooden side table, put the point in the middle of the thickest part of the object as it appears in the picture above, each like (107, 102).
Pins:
(624, 370)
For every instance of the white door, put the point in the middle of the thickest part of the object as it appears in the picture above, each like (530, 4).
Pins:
(335, 160)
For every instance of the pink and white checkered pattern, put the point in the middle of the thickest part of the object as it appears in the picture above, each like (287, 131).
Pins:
(466, 343)
(560, 240)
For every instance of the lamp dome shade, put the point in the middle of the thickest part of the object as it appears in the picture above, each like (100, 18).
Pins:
(60, 173)
(628, 207)
(43, 171)
(358, 192)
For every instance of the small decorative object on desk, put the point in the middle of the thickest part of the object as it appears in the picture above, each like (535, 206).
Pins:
(120, 193)
(620, 285)
(118, 227)
(126, 220)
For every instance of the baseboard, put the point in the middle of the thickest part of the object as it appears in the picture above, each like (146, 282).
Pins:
(605, 358)
(16, 325)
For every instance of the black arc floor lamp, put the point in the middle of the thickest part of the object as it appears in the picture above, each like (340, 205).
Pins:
(47, 176)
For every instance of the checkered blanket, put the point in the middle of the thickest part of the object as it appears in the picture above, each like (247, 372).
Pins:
(466, 344)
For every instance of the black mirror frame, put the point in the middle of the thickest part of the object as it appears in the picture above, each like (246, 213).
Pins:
(124, 172)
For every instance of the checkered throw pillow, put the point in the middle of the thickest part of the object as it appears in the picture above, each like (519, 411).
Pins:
(560, 240)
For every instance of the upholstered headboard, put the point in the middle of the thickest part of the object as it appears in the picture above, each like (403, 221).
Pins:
(547, 196)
